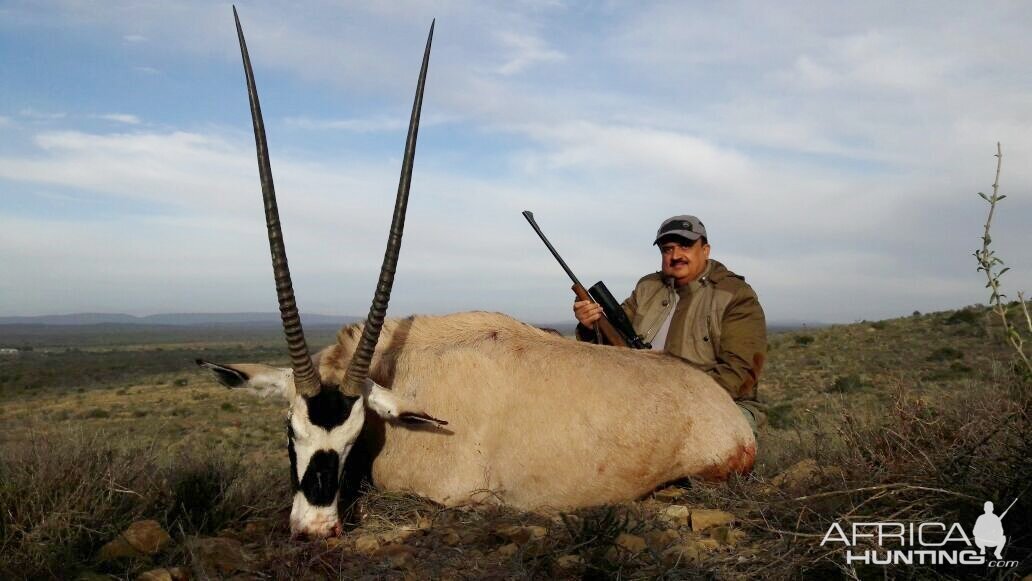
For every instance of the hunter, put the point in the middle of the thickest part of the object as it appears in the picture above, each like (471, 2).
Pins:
(696, 309)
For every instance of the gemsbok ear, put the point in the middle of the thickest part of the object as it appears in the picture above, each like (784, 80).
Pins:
(393, 408)
(262, 380)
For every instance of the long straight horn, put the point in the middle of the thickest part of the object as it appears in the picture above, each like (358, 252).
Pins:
(359, 368)
(306, 379)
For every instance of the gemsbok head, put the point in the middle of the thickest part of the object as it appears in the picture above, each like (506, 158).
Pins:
(324, 420)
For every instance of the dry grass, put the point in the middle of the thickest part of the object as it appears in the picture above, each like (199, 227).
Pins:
(896, 440)
(66, 494)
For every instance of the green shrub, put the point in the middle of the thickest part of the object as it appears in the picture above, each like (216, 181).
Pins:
(956, 370)
(95, 413)
(847, 384)
(962, 317)
(803, 340)
(945, 354)
(782, 415)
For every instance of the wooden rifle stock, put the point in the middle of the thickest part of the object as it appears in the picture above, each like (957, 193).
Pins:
(609, 333)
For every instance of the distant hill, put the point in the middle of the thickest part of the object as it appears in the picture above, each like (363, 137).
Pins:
(263, 320)
(177, 319)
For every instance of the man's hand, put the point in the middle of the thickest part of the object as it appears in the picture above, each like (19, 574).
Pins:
(587, 312)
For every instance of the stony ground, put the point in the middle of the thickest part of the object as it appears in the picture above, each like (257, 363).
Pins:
(124, 460)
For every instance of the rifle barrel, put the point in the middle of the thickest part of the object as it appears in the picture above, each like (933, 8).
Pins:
(530, 218)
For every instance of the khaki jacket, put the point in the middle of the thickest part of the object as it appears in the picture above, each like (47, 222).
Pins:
(718, 325)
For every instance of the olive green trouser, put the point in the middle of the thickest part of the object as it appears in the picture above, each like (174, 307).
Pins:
(752, 413)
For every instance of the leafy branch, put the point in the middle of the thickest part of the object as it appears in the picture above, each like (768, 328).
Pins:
(988, 263)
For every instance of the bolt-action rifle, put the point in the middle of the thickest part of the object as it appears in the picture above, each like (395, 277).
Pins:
(614, 326)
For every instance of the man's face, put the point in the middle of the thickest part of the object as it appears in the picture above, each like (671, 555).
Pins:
(683, 260)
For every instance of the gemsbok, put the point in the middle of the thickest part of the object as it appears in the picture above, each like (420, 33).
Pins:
(529, 419)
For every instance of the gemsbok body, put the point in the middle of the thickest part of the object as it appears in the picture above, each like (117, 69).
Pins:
(529, 418)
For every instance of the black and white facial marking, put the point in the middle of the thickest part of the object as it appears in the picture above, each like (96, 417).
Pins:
(321, 431)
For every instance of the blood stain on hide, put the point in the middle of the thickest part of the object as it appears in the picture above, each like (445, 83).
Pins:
(739, 462)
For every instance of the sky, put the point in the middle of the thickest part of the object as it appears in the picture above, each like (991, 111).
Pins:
(833, 150)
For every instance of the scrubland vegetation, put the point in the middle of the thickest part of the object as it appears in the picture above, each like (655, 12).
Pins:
(917, 418)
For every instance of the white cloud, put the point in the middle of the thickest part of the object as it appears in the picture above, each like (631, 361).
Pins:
(135, 38)
(120, 118)
(30, 113)
(523, 51)
(875, 60)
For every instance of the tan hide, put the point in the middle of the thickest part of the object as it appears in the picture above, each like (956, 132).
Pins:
(538, 421)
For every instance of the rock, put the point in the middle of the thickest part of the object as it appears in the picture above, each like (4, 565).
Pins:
(521, 535)
(118, 549)
(725, 535)
(688, 551)
(507, 551)
(568, 564)
(256, 530)
(451, 538)
(670, 494)
(399, 556)
(334, 542)
(217, 556)
(703, 519)
(631, 543)
(155, 575)
(662, 539)
(147, 536)
(804, 475)
(707, 544)
(402, 534)
(367, 544)
(676, 514)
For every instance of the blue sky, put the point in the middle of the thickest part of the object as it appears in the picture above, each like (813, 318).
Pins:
(834, 151)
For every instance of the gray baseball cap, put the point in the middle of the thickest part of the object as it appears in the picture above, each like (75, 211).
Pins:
(684, 226)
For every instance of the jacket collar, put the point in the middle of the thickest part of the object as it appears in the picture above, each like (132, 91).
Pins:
(714, 272)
